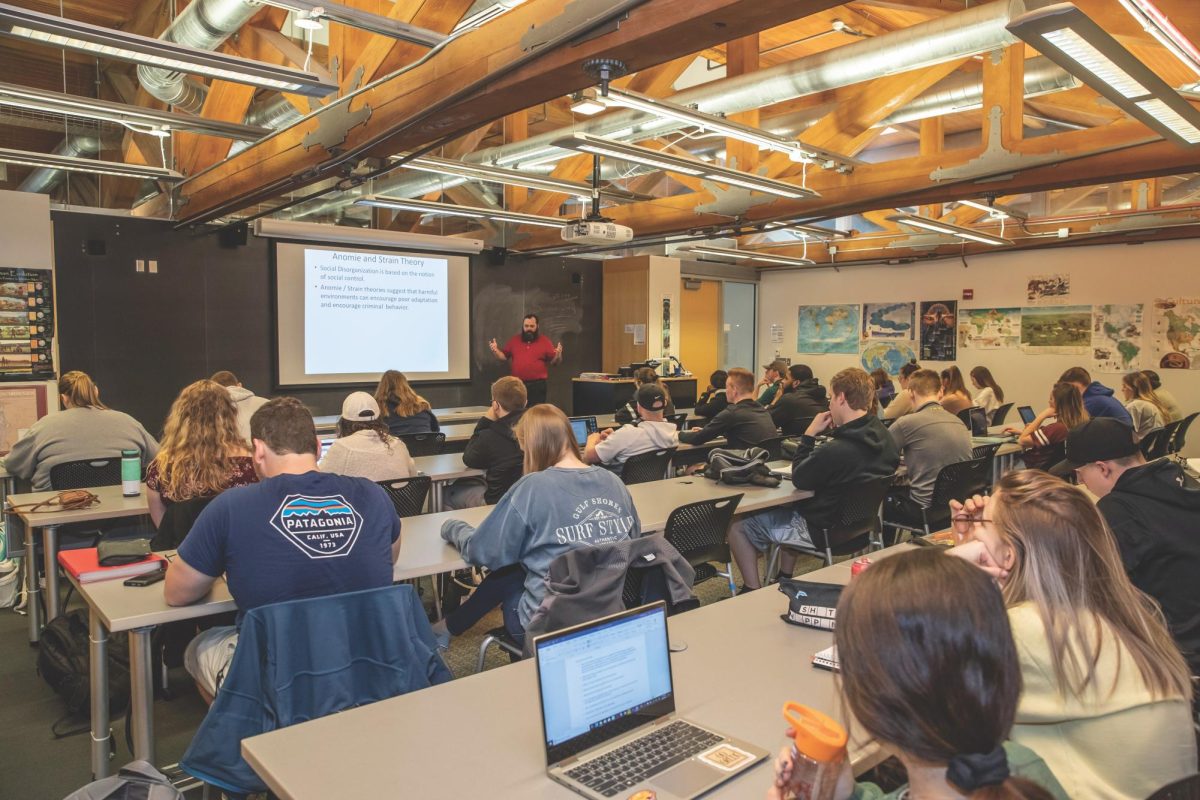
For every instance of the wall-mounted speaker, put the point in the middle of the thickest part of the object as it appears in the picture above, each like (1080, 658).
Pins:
(233, 235)
(496, 256)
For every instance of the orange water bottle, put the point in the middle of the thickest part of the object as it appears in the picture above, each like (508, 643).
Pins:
(818, 750)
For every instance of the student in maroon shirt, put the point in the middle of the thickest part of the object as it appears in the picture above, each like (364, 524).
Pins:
(529, 352)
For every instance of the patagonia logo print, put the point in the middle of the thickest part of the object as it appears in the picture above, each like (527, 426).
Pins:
(322, 527)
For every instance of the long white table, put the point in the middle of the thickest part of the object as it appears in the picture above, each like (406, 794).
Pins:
(442, 469)
(740, 665)
(445, 416)
(112, 505)
(114, 607)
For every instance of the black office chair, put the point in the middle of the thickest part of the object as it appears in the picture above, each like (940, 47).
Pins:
(408, 494)
(965, 416)
(1154, 444)
(86, 473)
(678, 420)
(1184, 789)
(987, 451)
(956, 481)
(774, 446)
(796, 427)
(177, 520)
(852, 531)
(1179, 435)
(700, 532)
(1001, 413)
(424, 444)
(646, 467)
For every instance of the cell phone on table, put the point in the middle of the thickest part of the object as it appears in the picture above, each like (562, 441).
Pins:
(148, 578)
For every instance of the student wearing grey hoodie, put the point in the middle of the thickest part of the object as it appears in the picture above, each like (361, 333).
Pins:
(244, 400)
(560, 504)
(612, 448)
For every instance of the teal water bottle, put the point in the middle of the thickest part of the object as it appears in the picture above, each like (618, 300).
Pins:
(131, 473)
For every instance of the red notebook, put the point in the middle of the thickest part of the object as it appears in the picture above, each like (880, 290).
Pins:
(85, 565)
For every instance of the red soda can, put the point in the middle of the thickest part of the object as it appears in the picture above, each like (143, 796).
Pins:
(859, 565)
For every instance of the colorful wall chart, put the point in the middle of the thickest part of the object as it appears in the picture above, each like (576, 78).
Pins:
(1117, 337)
(938, 339)
(26, 324)
(827, 329)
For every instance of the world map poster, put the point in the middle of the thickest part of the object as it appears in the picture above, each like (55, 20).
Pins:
(889, 320)
(827, 329)
(1176, 333)
(989, 328)
(1117, 337)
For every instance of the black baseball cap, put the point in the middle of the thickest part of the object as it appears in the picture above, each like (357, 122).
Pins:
(651, 397)
(1102, 439)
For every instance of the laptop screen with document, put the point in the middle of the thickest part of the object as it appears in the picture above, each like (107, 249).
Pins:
(582, 427)
(602, 679)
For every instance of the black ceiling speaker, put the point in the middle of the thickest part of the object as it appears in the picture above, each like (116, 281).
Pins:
(233, 235)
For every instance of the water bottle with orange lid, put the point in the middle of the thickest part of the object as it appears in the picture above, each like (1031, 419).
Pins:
(818, 750)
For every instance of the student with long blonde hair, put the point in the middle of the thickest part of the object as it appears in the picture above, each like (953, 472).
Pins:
(1145, 409)
(84, 429)
(1040, 437)
(543, 515)
(954, 391)
(202, 453)
(1107, 695)
(401, 407)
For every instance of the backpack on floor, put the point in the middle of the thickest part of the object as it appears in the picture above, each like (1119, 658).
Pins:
(62, 662)
(137, 780)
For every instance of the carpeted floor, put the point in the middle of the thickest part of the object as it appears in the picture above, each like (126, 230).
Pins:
(34, 765)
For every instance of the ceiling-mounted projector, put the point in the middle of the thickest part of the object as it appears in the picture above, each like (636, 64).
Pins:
(589, 232)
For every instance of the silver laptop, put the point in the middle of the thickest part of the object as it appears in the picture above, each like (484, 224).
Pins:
(582, 428)
(608, 714)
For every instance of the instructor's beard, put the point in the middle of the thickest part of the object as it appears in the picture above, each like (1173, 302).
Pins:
(529, 336)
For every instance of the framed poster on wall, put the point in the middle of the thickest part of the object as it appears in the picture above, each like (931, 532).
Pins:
(20, 407)
(26, 324)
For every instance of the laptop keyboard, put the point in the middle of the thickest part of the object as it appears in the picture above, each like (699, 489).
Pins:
(642, 758)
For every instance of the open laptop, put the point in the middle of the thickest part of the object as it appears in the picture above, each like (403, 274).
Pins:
(326, 443)
(1027, 415)
(583, 427)
(979, 421)
(608, 714)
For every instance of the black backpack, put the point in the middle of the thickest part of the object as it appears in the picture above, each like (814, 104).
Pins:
(63, 663)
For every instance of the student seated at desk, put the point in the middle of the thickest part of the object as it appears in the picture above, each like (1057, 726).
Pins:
(1174, 412)
(560, 504)
(1041, 435)
(948, 722)
(803, 398)
(85, 428)
(245, 401)
(493, 448)
(902, 403)
(990, 395)
(713, 401)
(363, 447)
(771, 384)
(743, 423)
(1107, 697)
(627, 414)
(1097, 398)
(929, 438)
(612, 448)
(403, 410)
(858, 449)
(954, 391)
(202, 454)
(1145, 409)
(298, 533)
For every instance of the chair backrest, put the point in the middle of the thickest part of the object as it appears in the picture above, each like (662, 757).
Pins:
(407, 494)
(424, 444)
(177, 520)
(858, 514)
(1176, 442)
(1184, 789)
(86, 473)
(699, 530)
(678, 420)
(645, 467)
(796, 427)
(1001, 413)
(985, 450)
(304, 659)
(1154, 444)
(774, 446)
(965, 416)
(958, 481)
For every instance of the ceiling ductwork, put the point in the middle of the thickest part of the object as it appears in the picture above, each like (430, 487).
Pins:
(948, 38)
(44, 179)
(205, 25)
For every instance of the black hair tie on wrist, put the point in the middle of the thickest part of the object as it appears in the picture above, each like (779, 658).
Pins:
(976, 770)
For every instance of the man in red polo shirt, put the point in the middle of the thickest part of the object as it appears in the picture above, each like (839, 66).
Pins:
(530, 352)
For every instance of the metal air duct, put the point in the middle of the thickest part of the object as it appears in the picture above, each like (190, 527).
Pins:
(44, 179)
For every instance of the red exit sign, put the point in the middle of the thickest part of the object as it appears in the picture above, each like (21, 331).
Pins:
(968, 294)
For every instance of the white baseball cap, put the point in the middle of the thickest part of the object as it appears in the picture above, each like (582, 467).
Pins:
(360, 407)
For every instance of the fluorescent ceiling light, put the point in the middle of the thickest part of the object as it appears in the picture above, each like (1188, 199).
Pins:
(727, 127)
(1152, 19)
(938, 226)
(102, 42)
(135, 117)
(729, 252)
(511, 177)
(1074, 41)
(73, 164)
(314, 10)
(451, 210)
(486, 15)
(686, 165)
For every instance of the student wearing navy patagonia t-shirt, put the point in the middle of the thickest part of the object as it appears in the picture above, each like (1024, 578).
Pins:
(297, 533)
